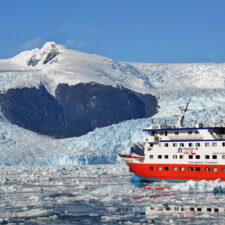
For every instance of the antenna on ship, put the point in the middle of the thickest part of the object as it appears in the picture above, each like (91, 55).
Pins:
(180, 122)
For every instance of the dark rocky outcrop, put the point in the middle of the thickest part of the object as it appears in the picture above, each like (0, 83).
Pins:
(75, 110)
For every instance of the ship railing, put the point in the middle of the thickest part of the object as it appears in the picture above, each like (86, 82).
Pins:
(186, 137)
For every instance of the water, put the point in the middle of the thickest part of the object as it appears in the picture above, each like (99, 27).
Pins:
(103, 194)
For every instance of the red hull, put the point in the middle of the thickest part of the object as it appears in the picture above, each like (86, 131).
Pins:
(198, 171)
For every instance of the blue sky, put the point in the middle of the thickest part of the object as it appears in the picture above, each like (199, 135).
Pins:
(161, 31)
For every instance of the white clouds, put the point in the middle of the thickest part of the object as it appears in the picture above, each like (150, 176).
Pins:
(34, 43)
(28, 45)
(74, 43)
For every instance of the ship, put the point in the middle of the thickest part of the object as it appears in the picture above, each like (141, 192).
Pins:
(179, 153)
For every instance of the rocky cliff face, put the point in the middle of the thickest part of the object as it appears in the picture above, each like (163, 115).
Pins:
(75, 110)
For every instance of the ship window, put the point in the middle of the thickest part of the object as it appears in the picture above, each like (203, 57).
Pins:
(223, 144)
(174, 168)
(159, 168)
(181, 168)
(214, 169)
(153, 133)
(189, 132)
(190, 168)
(196, 132)
(151, 156)
(190, 156)
(214, 144)
(209, 209)
(197, 144)
(159, 156)
(166, 168)
(214, 156)
(207, 169)
(181, 156)
(161, 133)
(166, 145)
(166, 156)
(197, 156)
(192, 209)
(197, 168)
(174, 144)
(151, 144)
(181, 144)
(190, 144)
(151, 168)
(206, 144)
(223, 169)
(206, 156)
(223, 156)
(167, 208)
(176, 133)
(182, 209)
(199, 209)
(160, 145)
(174, 156)
(216, 210)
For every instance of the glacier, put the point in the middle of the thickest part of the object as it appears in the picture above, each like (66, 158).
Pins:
(172, 84)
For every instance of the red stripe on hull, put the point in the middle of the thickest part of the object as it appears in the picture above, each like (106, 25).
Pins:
(143, 170)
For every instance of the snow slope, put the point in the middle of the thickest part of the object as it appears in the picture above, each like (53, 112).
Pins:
(173, 84)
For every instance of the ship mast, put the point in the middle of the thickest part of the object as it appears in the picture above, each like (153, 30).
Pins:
(180, 122)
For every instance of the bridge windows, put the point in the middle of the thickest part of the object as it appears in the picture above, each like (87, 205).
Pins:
(223, 156)
(166, 144)
(159, 156)
(189, 132)
(181, 156)
(214, 156)
(176, 133)
(151, 156)
(197, 156)
(190, 156)
(166, 156)
(181, 144)
(174, 156)
(190, 144)
(207, 157)
(223, 144)
(197, 144)
(174, 144)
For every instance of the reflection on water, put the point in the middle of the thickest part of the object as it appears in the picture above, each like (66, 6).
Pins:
(102, 194)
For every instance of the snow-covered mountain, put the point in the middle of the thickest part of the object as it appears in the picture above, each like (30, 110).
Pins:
(53, 64)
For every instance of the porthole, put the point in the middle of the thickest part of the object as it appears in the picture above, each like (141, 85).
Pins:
(159, 168)
(214, 169)
(174, 168)
(181, 168)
